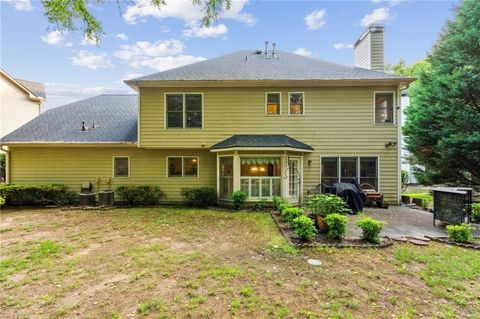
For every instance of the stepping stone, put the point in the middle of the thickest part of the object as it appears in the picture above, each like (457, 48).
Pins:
(314, 262)
(418, 242)
(421, 238)
(402, 239)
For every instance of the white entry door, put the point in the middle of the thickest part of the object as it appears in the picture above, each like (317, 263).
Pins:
(294, 175)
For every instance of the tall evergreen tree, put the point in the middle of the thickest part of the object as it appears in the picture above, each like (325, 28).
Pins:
(442, 127)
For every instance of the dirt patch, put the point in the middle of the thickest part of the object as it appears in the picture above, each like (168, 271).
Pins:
(91, 248)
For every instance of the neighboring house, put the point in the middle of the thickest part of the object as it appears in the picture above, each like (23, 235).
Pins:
(20, 101)
(268, 123)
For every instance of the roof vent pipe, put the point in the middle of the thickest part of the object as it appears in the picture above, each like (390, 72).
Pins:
(274, 55)
(84, 128)
(266, 49)
(93, 124)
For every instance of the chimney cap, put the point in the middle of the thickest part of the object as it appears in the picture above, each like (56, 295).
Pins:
(372, 28)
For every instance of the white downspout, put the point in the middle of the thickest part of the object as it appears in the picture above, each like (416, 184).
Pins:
(7, 164)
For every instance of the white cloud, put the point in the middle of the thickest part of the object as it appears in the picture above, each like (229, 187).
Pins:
(93, 61)
(88, 41)
(303, 51)
(167, 62)
(145, 49)
(377, 16)
(316, 19)
(190, 14)
(203, 32)
(21, 5)
(185, 11)
(129, 76)
(122, 36)
(391, 3)
(343, 45)
(69, 44)
(54, 37)
(159, 55)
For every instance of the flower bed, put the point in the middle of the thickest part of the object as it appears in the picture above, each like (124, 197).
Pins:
(323, 240)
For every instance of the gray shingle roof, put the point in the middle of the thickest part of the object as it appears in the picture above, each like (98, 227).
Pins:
(248, 65)
(260, 140)
(36, 88)
(115, 118)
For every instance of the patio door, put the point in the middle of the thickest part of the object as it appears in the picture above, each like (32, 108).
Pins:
(294, 175)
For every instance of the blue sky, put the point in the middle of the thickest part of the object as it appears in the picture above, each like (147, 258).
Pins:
(140, 40)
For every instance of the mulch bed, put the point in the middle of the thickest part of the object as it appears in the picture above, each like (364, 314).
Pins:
(323, 240)
(446, 240)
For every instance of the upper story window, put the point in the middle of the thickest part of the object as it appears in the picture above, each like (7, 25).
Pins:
(121, 166)
(384, 105)
(184, 110)
(273, 103)
(296, 103)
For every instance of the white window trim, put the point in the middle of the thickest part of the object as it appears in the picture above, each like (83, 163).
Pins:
(183, 166)
(266, 103)
(256, 198)
(394, 111)
(184, 127)
(113, 166)
(304, 103)
(338, 157)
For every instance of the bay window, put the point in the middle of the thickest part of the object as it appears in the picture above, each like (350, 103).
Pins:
(260, 177)
(344, 169)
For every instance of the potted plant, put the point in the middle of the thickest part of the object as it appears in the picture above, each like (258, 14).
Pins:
(323, 205)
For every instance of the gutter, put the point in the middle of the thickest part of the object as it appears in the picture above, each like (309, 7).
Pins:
(7, 163)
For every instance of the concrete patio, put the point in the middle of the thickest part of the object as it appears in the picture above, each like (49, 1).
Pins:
(404, 221)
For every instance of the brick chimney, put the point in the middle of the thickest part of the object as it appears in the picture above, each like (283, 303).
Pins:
(368, 50)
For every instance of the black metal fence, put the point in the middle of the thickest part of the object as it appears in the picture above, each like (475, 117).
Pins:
(452, 205)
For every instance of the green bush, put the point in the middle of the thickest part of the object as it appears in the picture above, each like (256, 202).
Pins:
(337, 225)
(260, 205)
(327, 204)
(239, 198)
(476, 212)
(289, 214)
(199, 196)
(142, 195)
(304, 227)
(277, 201)
(371, 228)
(460, 233)
(2, 201)
(283, 206)
(37, 195)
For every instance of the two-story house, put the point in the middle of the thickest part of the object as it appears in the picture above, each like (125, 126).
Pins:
(271, 123)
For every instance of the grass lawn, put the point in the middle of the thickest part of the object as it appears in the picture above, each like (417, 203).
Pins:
(179, 263)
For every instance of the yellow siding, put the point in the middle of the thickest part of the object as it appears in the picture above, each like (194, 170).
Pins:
(337, 121)
(76, 165)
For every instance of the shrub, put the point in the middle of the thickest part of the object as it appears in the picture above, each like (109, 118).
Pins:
(37, 195)
(304, 227)
(289, 214)
(277, 201)
(476, 212)
(327, 204)
(140, 195)
(239, 198)
(460, 233)
(283, 206)
(371, 228)
(199, 196)
(260, 205)
(2, 201)
(337, 225)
